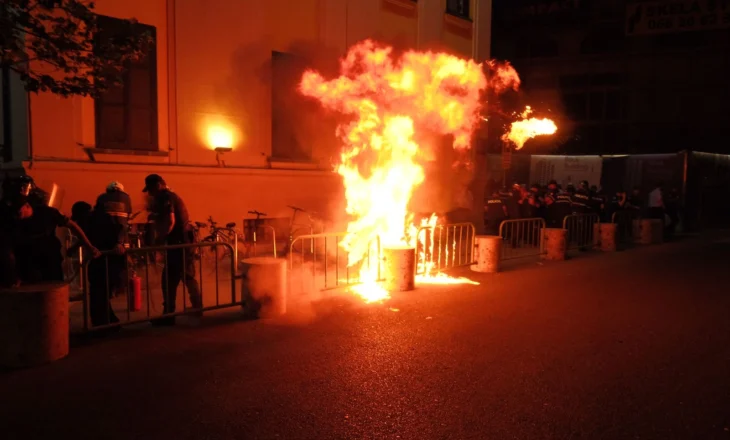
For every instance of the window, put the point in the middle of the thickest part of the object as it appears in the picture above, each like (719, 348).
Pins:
(126, 115)
(288, 125)
(459, 8)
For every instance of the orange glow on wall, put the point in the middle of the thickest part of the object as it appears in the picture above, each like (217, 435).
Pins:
(219, 133)
(219, 137)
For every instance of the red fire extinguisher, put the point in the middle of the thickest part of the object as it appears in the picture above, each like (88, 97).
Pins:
(135, 293)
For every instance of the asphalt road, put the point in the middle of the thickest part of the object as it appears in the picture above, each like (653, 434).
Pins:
(631, 345)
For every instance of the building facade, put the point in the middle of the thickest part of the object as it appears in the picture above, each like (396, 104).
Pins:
(621, 76)
(223, 73)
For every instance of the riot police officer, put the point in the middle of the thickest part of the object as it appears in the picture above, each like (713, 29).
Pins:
(581, 200)
(560, 207)
(495, 212)
(513, 201)
(529, 204)
(552, 188)
(598, 202)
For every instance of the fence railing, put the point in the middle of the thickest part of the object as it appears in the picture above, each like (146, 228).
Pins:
(317, 262)
(255, 239)
(581, 230)
(443, 247)
(111, 273)
(626, 228)
(522, 238)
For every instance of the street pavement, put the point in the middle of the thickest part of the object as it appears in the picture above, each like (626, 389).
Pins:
(628, 345)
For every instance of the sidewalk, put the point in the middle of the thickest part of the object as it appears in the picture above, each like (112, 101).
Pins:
(213, 294)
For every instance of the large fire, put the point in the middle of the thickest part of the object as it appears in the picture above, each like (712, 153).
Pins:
(527, 128)
(390, 101)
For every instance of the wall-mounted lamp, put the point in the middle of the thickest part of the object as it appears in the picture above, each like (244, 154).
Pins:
(219, 152)
(221, 140)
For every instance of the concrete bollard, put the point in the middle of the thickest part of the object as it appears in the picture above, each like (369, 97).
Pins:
(646, 232)
(399, 269)
(264, 286)
(657, 231)
(596, 235)
(555, 243)
(34, 324)
(488, 250)
(608, 237)
(636, 231)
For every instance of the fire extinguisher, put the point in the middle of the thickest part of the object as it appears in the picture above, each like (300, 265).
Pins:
(135, 293)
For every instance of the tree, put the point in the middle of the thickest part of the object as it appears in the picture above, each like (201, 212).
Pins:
(58, 46)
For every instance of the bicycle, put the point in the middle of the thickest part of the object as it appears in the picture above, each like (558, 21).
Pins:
(299, 229)
(255, 226)
(227, 234)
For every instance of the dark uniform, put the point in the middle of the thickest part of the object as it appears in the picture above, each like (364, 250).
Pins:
(581, 201)
(529, 206)
(117, 205)
(495, 212)
(511, 199)
(616, 204)
(635, 201)
(559, 209)
(36, 247)
(108, 230)
(106, 274)
(511, 202)
(180, 263)
(598, 205)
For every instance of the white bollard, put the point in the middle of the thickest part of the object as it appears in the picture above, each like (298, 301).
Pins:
(34, 324)
(399, 269)
(264, 286)
(488, 250)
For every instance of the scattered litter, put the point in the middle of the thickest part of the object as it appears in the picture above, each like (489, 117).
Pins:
(428, 317)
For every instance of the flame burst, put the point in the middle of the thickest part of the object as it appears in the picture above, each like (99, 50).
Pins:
(528, 128)
(388, 101)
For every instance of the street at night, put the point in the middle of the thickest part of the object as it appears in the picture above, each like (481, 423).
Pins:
(626, 345)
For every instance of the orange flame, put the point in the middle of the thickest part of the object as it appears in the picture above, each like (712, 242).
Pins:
(528, 128)
(390, 100)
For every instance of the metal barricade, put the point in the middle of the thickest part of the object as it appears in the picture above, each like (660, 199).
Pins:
(317, 262)
(73, 259)
(102, 278)
(625, 221)
(522, 238)
(253, 236)
(581, 230)
(443, 247)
